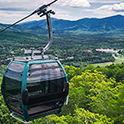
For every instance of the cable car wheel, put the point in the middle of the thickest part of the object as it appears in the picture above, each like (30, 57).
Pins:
(35, 86)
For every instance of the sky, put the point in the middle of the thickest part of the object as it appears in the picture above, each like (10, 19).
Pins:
(13, 10)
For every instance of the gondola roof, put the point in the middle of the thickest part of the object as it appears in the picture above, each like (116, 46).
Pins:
(26, 59)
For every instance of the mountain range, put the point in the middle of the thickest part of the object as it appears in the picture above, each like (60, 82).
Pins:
(113, 23)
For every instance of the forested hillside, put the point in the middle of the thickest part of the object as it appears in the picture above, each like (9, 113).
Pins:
(96, 97)
(66, 26)
(73, 49)
(83, 41)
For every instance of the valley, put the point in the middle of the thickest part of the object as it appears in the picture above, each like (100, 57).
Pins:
(82, 42)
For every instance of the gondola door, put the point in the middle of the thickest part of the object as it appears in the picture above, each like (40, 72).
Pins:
(45, 87)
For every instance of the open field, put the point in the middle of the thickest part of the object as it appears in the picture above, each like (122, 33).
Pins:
(118, 60)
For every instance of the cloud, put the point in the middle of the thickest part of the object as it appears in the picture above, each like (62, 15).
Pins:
(113, 7)
(118, 7)
(110, 10)
(13, 10)
(75, 3)
(10, 17)
(33, 4)
(105, 1)
(19, 8)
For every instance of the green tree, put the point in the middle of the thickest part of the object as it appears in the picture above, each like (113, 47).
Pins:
(72, 71)
(119, 118)
(80, 116)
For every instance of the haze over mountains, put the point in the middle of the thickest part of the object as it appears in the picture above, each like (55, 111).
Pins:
(113, 23)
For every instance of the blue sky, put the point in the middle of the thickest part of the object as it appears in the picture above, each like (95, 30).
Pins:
(12, 10)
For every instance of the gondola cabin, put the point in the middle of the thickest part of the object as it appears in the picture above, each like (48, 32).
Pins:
(34, 87)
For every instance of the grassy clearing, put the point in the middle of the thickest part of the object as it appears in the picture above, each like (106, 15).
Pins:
(118, 60)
